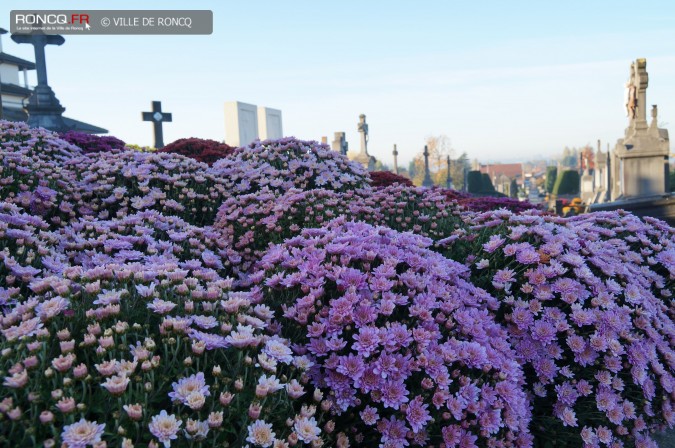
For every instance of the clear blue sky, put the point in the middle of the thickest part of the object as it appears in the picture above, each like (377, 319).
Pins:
(503, 79)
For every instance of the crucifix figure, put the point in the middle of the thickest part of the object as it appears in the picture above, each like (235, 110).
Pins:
(427, 182)
(43, 108)
(157, 117)
(363, 130)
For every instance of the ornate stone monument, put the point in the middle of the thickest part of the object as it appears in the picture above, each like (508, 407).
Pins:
(157, 117)
(642, 155)
(43, 108)
(637, 169)
(362, 157)
(339, 143)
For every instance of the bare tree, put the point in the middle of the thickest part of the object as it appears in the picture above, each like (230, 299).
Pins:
(439, 149)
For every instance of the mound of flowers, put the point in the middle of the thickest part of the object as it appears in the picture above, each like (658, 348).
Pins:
(149, 355)
(90, 143)
(250, 223)
(202, 150)
(403, 346)
(27, 247)
(420, 210)
(143, 237)
(488, 203)
(279, 165)
(650, 244)
(597, 345)
(387, 178)
(118, 184)
(32, 172)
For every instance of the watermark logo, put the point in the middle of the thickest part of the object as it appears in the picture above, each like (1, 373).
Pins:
(112, 22)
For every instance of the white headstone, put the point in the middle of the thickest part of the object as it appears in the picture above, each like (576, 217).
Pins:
(241, 123)
(269, 123)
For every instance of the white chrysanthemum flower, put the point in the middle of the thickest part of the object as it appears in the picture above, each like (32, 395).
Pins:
(307, 429)
(165, 427)
(260, 433)
(82, 433)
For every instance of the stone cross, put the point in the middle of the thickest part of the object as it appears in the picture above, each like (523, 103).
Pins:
(448, 181)
(44, 109)
(395, 160)
(39, 42)
(157, 117)
(427, 182)
(363, 130)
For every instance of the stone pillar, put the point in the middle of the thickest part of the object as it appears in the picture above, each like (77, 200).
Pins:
(448, 180)
(427, 182)
(362, 157)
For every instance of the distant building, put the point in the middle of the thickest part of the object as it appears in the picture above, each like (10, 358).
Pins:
(502, 174)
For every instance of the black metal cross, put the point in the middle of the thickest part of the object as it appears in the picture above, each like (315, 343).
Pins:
(157, 117)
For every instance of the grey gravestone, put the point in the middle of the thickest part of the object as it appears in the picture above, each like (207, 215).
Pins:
(157, 117)
(269, 123)
(43, 108)
(339, 143)
(241, 123)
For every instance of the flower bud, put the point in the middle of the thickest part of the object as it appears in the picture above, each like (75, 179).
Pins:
(46, 417)
(254, 411)
(226, 398)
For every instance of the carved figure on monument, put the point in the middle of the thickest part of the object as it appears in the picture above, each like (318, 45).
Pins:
(363, 128)
(631, 100)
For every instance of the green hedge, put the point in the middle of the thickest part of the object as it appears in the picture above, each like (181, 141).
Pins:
(474, 182)
(567, 183)
(513, 189)
(486, 183)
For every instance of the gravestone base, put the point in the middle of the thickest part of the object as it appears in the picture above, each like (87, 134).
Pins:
(44, 110)
(365, 160)
(656, 206)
